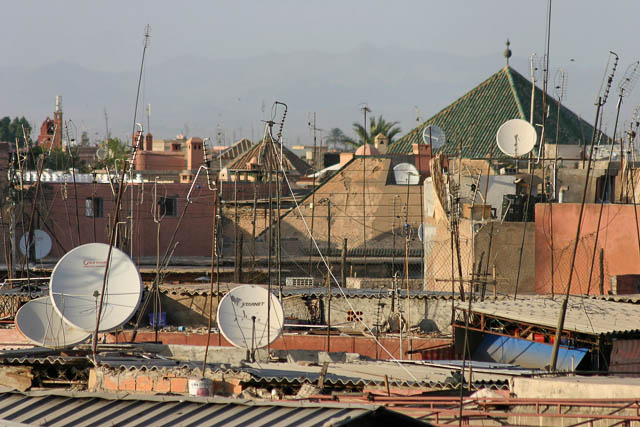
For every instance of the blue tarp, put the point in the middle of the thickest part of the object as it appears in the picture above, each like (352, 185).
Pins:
(525, 353)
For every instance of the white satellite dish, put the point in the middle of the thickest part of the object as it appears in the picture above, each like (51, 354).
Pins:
(406, 174)
(41, 241)
(76, 284)
(516, 137)
(242, 317)
(42, 325)
(434, 136)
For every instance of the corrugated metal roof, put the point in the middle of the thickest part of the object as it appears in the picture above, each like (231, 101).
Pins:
(584, 315)
(474, 118)
(203, 289)
(84, 409)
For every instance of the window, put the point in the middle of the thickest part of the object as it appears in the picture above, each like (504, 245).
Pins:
(168, 206)
(94, 207)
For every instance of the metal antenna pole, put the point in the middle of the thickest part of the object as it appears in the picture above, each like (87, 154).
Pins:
(365, 109)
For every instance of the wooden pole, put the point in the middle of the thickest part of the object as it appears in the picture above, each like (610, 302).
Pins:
(343, 271)
(406, 278)
(328, 311)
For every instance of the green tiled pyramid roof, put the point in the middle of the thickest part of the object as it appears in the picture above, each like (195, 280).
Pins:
(474, 119)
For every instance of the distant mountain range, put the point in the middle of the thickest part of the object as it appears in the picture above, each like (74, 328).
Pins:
(207, 97)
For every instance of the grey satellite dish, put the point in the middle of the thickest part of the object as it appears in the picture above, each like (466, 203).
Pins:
(42, 325)
(434, 136)
(76, 284)
(406, 174)
(41, 241)
(242, 317)
(516, 137)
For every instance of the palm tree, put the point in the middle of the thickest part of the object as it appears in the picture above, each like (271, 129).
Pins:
(388, 129)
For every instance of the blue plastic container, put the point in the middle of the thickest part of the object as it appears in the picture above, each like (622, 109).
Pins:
(160, 317)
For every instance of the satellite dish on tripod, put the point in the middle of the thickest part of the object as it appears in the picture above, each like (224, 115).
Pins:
(434, 136)
(42, 325)
(41, 242)
(516, 137)
(76, 284)
(244, 319)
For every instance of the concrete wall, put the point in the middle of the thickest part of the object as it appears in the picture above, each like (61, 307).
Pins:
(617, 240)
(499, 245)
(431, 314)
(384, 210)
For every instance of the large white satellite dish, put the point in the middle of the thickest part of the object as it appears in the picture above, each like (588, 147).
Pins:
(76, 284)
(42, 325)
(41, 241)
(434, 136)
(516, 137)
(406, 174)
(242, 317)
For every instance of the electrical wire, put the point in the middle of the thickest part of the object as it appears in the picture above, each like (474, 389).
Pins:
(284, 173)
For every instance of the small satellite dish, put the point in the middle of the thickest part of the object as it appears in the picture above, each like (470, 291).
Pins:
(421, 232)
(42, 325)
(516, 137)
(242, 317)
(41, 241)
(434, 136)
(76, 284)
(406, 174)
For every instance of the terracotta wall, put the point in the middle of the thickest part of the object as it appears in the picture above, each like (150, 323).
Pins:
(150, 160)
(57, 215)
(617, 241)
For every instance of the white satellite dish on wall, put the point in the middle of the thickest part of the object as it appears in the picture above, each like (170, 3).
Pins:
(41, 324)
(41, 241)
(406, 174)
(516, 137)
(76, 284)
(242, 317)
(434, 136)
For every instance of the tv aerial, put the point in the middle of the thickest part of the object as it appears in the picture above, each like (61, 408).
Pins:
(41, 324)
(434, 136)
(247, 319)
(560, 86)
(41, 241)
(516, 137)
(76, 283)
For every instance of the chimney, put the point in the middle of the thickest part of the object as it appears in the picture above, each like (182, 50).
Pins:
(381, 142)
(148, 142)
(195, 156)
(137, 139)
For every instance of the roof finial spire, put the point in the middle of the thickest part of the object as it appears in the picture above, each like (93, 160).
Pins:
(507, 51)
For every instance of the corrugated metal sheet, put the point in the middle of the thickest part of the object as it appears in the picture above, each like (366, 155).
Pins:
(99, 410)
(625, 357)
(315, 292)
(584, 315)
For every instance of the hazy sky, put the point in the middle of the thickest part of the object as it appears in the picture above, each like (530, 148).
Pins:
(107, 35)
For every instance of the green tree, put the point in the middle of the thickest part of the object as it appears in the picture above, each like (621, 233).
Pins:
(112, 150)
(335, 137)
(10, 130)
(376, 126)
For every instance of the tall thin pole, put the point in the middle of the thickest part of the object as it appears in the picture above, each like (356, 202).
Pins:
(213, 258)
(365, 109)
(313, 195)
